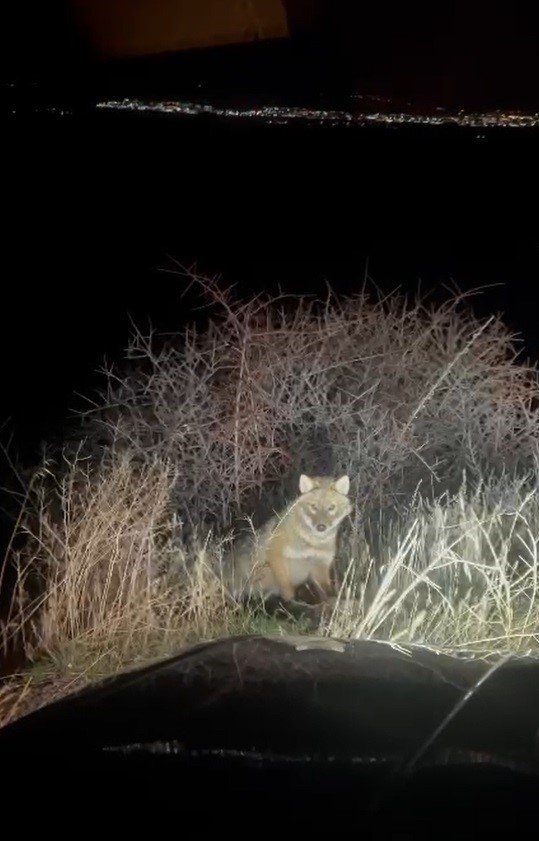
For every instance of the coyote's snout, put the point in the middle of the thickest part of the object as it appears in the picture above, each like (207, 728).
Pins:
(294, 547)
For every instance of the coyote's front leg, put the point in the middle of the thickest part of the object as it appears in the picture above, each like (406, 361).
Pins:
(320, 577)
(278, 567)
(281, 574)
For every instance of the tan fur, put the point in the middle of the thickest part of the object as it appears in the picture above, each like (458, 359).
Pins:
(289, 549)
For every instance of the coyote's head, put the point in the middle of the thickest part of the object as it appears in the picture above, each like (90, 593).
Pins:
(324, 502)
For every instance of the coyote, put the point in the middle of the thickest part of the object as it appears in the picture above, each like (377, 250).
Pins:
(295, 547)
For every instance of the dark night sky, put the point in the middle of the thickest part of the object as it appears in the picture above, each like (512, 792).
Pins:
(458, 50)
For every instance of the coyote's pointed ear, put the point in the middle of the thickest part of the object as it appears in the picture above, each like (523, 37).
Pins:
(306, 484)
(342, 485)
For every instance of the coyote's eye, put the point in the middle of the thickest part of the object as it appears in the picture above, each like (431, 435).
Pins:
(331, 509)
(313, 508)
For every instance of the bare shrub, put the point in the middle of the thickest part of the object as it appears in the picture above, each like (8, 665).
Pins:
(398, 395)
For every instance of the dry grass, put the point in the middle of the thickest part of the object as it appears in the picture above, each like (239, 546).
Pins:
(457, 573)
(103, 582)
(118, 549)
